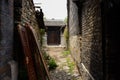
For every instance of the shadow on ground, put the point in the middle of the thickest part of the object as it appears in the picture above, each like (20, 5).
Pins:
(63, 75)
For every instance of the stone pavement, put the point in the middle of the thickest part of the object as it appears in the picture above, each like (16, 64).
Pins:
(66, 69)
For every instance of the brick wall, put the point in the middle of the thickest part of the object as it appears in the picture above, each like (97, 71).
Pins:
(86, 37)
(91, 55)
(6, 38)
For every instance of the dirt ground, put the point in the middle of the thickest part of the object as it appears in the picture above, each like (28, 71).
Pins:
(66, 69)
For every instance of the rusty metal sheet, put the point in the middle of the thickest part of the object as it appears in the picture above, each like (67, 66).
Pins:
(37, 46)
(27, 53)
(36, 66)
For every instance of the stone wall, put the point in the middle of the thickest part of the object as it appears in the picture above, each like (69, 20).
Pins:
(74, 31)
(28, 15)
(91, 55)
(24, 13)
(63, 41)
(6, 38)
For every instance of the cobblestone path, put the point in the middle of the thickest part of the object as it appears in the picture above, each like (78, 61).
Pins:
(66, 69)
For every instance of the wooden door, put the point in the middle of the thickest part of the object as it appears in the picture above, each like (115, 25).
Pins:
(53, 36)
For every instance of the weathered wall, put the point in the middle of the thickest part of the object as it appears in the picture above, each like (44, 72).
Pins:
(86, 37)
(63, 41)
(6, 38)
(28, 13)
(74, 31)
(24, 13)
(91, 55)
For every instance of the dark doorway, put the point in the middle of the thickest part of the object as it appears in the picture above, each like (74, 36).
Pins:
(53, 35)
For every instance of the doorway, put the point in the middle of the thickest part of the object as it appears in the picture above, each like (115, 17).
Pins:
(53, 36)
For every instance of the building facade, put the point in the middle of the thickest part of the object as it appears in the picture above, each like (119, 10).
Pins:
(55, 32)
(95, 23)
(12, 13)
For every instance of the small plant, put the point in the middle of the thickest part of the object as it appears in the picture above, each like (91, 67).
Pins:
(42, 32)
(70, 64)
(66, 53)
(66, 35)
(49, 60)
(46, 55)
(52, 64)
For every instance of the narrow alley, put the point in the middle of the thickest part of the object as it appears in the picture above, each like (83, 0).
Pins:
(83, 44)
(66, 68)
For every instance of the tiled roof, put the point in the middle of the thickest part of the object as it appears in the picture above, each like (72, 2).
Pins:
(53, 22)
